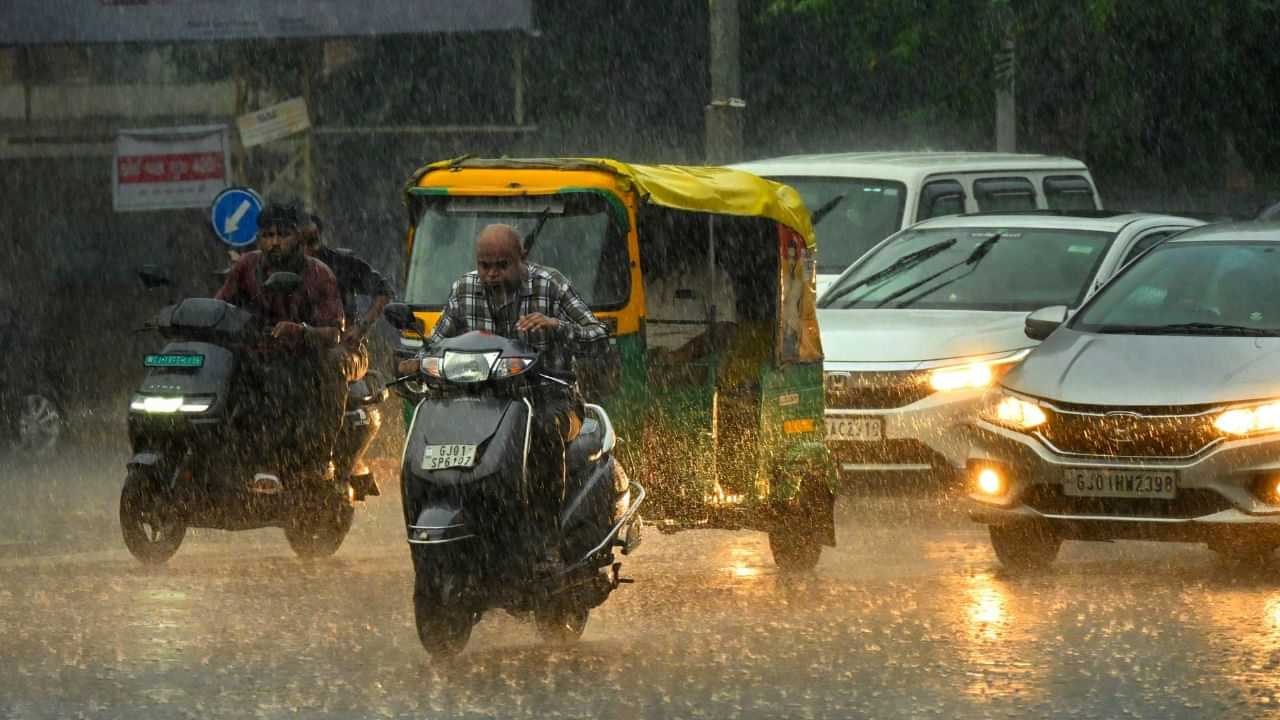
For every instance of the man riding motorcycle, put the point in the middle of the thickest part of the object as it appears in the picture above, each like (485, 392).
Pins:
(305, 414)
(509, 296)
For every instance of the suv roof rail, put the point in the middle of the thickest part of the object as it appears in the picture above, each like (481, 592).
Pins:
(1055, 213)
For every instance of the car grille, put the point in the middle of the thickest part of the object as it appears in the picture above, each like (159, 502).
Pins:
(1189, 503)
(886, 452)
(875, 390)
(1108, 432)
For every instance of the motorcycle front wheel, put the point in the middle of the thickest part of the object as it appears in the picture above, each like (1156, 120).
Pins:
(152, 527)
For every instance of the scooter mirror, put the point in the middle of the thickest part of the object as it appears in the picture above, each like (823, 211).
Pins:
(153, 277)
(283, 282)
(401, 317)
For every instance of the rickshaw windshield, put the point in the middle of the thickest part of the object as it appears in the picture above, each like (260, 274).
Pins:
(577, 235)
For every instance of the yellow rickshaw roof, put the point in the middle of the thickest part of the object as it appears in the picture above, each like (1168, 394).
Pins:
(693, 188)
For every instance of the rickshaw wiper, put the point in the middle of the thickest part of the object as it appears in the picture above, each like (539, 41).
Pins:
(537, 228)
(975, 256)
(817, 215)
(902, 264)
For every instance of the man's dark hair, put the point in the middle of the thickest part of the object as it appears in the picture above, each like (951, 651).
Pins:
(281, 215)
(315, 220)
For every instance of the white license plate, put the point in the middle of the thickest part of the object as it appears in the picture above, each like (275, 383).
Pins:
(438, 457)
(1090, 482)
(856, 428)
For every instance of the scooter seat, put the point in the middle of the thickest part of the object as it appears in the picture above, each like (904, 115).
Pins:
(589, 442)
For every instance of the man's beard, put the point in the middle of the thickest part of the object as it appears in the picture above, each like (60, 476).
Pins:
(286, 260)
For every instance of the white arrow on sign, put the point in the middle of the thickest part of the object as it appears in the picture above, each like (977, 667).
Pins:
(233, 223)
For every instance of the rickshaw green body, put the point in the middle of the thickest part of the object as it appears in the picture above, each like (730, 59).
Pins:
(671, 417)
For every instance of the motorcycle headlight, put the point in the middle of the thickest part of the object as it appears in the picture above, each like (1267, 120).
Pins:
(1016, 413)
(975, 374)
(1249, 420)
(468, 367)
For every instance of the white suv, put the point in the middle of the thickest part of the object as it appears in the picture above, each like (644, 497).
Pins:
(859, 199)
(917, 329)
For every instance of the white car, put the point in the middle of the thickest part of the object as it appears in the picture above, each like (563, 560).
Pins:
(919, 327)
(859, 199)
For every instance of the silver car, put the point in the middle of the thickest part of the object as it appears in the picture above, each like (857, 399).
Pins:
(1153, 413)
(921, 326)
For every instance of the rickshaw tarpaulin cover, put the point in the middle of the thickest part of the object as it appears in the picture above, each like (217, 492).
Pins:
(170, 168)
(681, 187)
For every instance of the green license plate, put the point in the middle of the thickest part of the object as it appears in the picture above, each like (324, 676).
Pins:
(173, 361)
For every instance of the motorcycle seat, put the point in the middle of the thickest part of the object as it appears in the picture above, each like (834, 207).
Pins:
(589, 442)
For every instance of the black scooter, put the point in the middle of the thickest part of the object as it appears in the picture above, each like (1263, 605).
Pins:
(464, 484)
(203, 451)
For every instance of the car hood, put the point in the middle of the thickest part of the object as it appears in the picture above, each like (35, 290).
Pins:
(918, 335)
(1149, 370)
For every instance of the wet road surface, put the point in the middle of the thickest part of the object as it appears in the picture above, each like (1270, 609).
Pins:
(909, 617)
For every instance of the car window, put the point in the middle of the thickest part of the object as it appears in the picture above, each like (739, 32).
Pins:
(971, 268)
(1002, 194)
(866, 212)
(940, 197)
(1068, 192)
(1143, 243)
(1204, 285)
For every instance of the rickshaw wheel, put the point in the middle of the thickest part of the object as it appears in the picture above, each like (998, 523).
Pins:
(794, 551)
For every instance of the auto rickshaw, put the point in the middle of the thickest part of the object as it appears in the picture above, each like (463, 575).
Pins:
(705, 278)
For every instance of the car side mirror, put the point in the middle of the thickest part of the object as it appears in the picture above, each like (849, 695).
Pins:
(283, 282)
(153, 277)
(400, 316)
(1041, 323)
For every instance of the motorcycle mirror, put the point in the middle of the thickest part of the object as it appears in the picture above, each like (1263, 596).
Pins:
(153, 277)
(401, 317)
(283, 282)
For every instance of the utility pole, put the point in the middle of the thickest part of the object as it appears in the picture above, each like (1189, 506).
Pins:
(724, 114)
(1006, 99)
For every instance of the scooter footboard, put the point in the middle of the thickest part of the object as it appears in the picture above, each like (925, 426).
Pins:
(597, 503)
(600, 552)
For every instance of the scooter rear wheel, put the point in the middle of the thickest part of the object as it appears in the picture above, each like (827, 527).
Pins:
(561, 624)
(319, 533)
(152, 528)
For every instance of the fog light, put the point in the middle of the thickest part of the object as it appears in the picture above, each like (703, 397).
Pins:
(990, 482)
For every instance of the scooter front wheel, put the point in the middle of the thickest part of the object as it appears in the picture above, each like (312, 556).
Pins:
(443, 628)
(561, 624)
(152, 528)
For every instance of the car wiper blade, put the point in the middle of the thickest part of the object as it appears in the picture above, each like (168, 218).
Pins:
(902, 264)
(1201, 328)
(975, 256)
(817, 215)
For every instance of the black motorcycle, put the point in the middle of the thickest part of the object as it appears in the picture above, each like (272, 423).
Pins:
(465, 488)
(211, 447)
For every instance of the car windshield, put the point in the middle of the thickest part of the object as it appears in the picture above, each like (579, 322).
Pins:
(1209, 288)
(972, 268)
(575, 235)
(864, 213)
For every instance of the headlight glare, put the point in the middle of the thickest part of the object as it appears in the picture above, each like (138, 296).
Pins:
(1018, 413)
(1249, 420)
(974, 375)
(168, 405)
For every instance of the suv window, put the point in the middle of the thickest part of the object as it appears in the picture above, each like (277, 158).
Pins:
(1068, 192)
(941, 197)
(1001, 194)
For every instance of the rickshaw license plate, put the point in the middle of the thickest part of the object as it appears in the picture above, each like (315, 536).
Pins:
(438, 457)
(173, 361)
(855, 428)
(1091, 482)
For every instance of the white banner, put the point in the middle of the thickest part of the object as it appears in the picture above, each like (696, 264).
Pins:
(273, 123)
(170, 168)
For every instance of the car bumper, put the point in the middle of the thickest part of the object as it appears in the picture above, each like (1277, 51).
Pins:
(921, 437)
(1220, 491)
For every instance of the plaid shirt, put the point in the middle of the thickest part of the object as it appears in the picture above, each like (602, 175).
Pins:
(545, 291)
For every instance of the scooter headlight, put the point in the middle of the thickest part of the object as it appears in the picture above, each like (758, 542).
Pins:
(468, 367)
(170, 404)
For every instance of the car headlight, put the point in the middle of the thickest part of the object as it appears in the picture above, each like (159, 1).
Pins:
(975, 374)
(170, 404)
(1249, 420)
(468, 367)
(1016, 413)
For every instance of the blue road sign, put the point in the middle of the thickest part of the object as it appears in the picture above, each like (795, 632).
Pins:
(234, 213)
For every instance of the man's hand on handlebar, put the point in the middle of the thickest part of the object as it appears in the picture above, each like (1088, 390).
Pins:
(292, 334)
(536, 321)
